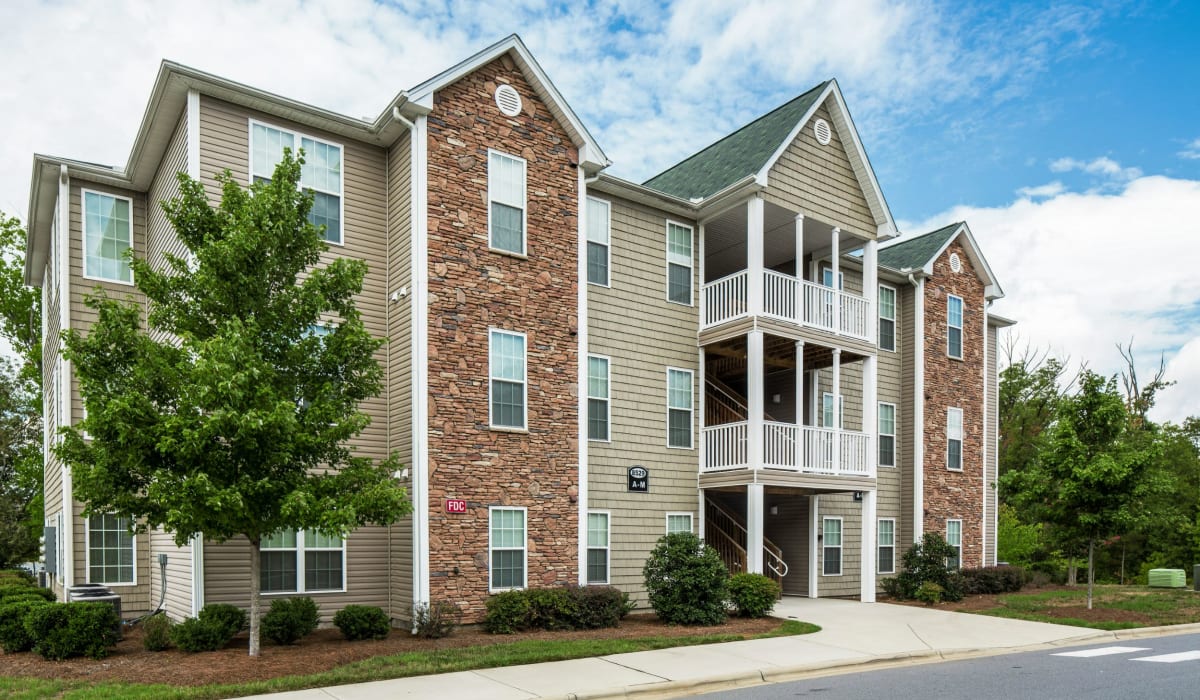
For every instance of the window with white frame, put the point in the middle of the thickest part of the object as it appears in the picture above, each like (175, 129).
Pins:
(827, 410)
(598, 234)
(954, 439)
(506, 198)
(887, 434)
(598, 398)
(321, 173)
(597, 543)
(107, 234)
(110, 550)
(887, 546)
(954, 539)
(887, 318)
(954, 326)
(679, 522)
(506, 544)
(679, 263)
(506, 367)
(831, 545)
(827, 278)
(679, 408)
(302, 561)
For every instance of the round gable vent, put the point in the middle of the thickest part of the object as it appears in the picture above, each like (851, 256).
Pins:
(955, 262)
(508, 100)
(822, 132)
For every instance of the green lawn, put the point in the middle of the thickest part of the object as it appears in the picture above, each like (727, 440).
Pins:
(1114, 607)
(381, 667)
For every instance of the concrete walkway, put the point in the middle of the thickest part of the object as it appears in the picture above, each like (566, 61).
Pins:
(851, 633)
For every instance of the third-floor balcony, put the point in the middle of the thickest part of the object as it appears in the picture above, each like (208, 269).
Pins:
(786, 298)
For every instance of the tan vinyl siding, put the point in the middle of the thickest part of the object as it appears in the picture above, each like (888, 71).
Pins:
(992, 411)
(906, 338)
(891, 481)
(178, 599)
(642, 334)
(844, 506)
(160, 235)
(819, 181)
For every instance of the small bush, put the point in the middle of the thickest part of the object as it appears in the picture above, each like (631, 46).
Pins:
(993, 579)
(17, 576)
(13, 637)
(63, 630)
(925, 562)
(362, 622)
(753, 595)
(156, 632)
(437, 620)
(552, 609)
(598, 607)
(195, 635)
(231, 618)
(289, 619)
(929, 593)
(24, 590)
(686, 581)
(507, 612)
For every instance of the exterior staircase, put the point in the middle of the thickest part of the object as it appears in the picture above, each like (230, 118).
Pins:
(725, 533)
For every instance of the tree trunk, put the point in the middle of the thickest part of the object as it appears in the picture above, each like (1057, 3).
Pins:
(1072, 571)
(1091, 569)
(254, 601)
(1122, 562)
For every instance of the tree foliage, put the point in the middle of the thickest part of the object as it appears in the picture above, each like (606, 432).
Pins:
(225, 407)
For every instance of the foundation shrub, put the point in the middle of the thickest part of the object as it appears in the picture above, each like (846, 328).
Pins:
(156, 632)
(929, 593)
(195, 635)
(552, 609)
(357, 622)
(507, 612)
(64, 630)
(290, 619)
(753, 595)
(599, 606)
(925, 562)
(13, 637)
(993, 579)
(230, 618)
(15, 589)
(686, 581)
(436, 620)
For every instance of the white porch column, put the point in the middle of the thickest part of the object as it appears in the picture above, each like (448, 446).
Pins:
(754, 255)
(799, 446)
(834, 259)
(703, 410)
(754, 528)
(814, 544)
(871, 288)
(700, 519)
(867, 569)
(754, 398)
(870, 411)
(814, 405)
(837, 409)
(799, 272)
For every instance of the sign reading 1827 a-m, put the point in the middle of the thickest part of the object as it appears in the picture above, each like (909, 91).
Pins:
(639, 479)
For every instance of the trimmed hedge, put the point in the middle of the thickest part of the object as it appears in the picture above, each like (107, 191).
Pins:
(357, 622)
(156, 632)
(63, 630)
(289, 619)
(686, 581)
(196, 635)
(24, 590)
(13, 637)
(230, 618)
(993, 579)
(565, 608)
(753, 595)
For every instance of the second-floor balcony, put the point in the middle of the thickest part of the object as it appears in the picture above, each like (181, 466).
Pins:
(785, 446)
(786, 298)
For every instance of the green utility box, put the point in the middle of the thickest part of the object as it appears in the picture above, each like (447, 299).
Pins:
(1167, 578)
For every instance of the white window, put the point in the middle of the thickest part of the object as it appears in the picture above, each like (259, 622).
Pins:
(506, 544)
(887, 318)
(598, 398)
(831, 543)
(887, 546)
(107, 234)
(954, 439)
(302, 561)
(827, 278)
(679, 263)
(597, 542)
(954, 326)
(827, 410)
(679, 408)
(111, 550)
(887, 434)
(321, 173)
(598, 233)
(506, 197)
(506, 367)
(954, 539)
(679, 522)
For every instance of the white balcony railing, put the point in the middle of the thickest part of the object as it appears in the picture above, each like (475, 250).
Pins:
(816, 306)
(725, 446)
(725, 299)
(779, 295)
(798, 448)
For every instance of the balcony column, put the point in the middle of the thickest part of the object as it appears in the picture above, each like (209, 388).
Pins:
(754, 528)
(834, 260)
(870, 262)
(754, 256)
(837, 409)
(870, 411)
(801, 314)
(703, 372)
(867, 568)
(800, 437)
(814, 542)
(754, 398)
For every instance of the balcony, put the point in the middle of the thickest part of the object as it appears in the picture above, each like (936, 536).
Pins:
(797, 448)
(789, 299)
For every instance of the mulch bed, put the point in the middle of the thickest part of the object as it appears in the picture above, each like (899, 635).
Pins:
(323, 650)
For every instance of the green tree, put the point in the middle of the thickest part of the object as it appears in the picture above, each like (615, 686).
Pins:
(1031, 387)
(226, 412)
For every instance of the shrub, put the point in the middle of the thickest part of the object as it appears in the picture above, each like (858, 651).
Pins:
(289, 619)
(437, 620)
(156, 632)
(686, 581)
(362, 622)
(13, 637)
(925, 562)
(507, 612)
(552, 608)
(929, 593)
(63, 630)
(194, 635)
(598, 606)
(993, 579)
(17, 576)
(231, 618)
(24, 590)
(753, 595)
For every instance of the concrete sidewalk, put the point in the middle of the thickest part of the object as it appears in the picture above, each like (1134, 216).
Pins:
(851, 633)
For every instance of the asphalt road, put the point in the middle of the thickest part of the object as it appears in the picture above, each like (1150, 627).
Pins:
(1162, 668)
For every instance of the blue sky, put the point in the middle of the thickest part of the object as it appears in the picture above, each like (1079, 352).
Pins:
(1067, 134)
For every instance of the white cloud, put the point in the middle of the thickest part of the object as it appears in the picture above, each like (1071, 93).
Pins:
(1050, 189)
(1103, 166)
(1181, 399)
(1191, 151)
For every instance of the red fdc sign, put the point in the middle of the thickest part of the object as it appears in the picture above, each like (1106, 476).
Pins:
(456, 505)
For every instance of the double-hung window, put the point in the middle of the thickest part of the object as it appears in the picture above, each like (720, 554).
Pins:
(954, 539)
(107, 234)
(506, 367)
(954, 439)
(887, 546)
(321, 173)
(679, 522)
(598, 398)
(597, 552)
(887, 318)
(679, 263)
(506, 542)
(827, 419)
(506, 202)
(598, 234)
(302, 561)
(887, 434)
(954, 326)
(679, 408)
(110, 550)
(831, 543)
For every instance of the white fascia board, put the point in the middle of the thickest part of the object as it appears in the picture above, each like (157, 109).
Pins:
(624, 189)
(762, 174)
(992, 288)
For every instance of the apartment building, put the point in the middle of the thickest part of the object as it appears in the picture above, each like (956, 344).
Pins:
(577, 364)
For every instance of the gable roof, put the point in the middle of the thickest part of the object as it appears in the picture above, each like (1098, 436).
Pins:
(919, 252)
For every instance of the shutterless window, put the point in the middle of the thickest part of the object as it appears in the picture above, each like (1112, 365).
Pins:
(301, 561)
(506, 195)
(597, 553)
(507, 368)
(954, 539)
(679, 263)
(954, 439)
(887, 318)
(598, 234)
(506, 540)
(110, 550)
(679, 408)
(679, 522)
(831, 542)
(107, 234)
(598, 398)
(887, 435)
(887, 546)
(827, 410)
(321, 173)
(954, 326)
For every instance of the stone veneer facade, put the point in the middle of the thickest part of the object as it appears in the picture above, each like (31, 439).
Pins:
(473, 289)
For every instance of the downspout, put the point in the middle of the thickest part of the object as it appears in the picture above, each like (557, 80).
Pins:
(918, 407)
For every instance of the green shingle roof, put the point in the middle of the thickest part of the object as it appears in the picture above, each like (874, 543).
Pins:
(742, 153)
(916, 251)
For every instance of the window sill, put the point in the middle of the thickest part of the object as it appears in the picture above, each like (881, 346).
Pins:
(509, 254)
(323, 592)
(114, 585)
(505, 429)
(123, 283)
